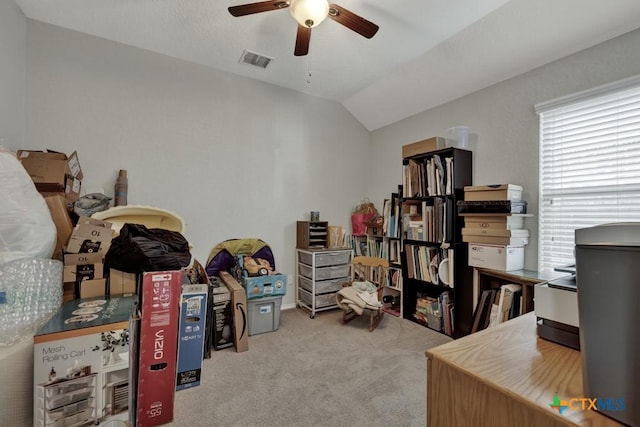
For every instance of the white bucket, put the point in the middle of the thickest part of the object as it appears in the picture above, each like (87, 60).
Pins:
(458, 137)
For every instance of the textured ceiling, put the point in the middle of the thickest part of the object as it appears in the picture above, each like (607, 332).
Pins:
(426, 52)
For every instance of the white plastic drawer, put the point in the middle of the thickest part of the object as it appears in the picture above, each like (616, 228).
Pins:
(69, 410)
(326, 273)
(326, 258)
(322, 301)
(68, 398)
(322, 286)
(69, 386)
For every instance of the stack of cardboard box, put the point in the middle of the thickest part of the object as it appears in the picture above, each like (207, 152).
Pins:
(496, 240)
(58, 178)
(53, 173)
(84, 259)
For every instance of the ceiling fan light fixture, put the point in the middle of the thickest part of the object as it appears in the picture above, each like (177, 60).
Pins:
(309, 13)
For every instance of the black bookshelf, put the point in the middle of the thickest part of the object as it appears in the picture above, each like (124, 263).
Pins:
(442, 236)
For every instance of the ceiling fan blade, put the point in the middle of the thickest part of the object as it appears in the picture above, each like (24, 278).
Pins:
(302, 40)
(352, 21)
(251, 8)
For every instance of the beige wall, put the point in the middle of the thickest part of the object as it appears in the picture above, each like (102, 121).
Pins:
(234, 157)
(13, 40)
(504, 124)
(239, 158)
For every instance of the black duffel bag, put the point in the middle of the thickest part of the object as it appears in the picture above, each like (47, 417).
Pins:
(138, 249)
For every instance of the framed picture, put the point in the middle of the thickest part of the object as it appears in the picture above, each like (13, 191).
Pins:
(335, 236)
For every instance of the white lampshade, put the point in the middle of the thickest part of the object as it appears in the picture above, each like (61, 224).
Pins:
(309, 12)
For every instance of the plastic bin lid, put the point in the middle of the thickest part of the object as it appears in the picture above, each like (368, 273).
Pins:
(613, 234)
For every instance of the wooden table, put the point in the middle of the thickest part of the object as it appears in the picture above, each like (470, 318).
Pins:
(485, 278)
(505, 376)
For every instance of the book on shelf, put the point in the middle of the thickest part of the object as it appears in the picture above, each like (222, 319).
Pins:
(408, 255)
(423, 262)
(429, 177)
(415, 230)
(450, 264)
(446, 309)
(508, 301)
(386, 214)
(395, 278)
(394, 251)
(449, 175)
(516, 304)
(394, 214)
(482, 314)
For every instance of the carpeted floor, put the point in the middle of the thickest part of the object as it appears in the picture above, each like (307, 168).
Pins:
(316, 372)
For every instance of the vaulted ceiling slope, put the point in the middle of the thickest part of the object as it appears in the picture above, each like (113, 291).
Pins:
(427, 52)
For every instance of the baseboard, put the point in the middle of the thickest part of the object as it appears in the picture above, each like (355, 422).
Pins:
(287, 306)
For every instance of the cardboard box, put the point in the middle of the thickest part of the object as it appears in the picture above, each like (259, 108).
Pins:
(87, 258)
(193, 316)
(422, 147)
(82, 350)
(68, 292)
(53, 172)
(500, 222)
(92, 288)
(79, 267)
(157, 347)
(81, 272)
(496, 257)
(240, 313)
(121, 283)
(93, 221)
(46, 169)
(222, 331)
(493, 192)
(90, 238)
(74, 166)
(57, 205)
(262, 286)
(265, 286)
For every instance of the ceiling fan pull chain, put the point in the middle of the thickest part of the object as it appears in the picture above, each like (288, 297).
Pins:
(309, 69)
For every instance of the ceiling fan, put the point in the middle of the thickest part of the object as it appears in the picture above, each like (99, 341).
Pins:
(310, 13)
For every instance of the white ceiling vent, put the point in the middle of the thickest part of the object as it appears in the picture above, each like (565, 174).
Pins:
(255, 59)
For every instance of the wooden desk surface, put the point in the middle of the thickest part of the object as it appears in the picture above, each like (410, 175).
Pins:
(505, 376)
(525, 276)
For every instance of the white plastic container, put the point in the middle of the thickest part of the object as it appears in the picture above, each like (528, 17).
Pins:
(458, 137)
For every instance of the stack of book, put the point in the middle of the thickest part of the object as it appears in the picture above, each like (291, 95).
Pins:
(495, 229)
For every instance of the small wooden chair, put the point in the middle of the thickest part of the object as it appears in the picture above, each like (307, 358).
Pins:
(374, 270)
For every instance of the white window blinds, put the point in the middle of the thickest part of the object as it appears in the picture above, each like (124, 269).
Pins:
(589, 166)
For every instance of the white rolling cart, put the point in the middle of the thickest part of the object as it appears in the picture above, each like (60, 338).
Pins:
(320, 273)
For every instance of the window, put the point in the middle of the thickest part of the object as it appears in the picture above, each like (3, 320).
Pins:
(589, 166)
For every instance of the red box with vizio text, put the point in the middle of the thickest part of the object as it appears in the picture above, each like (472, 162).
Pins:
(157, 350)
